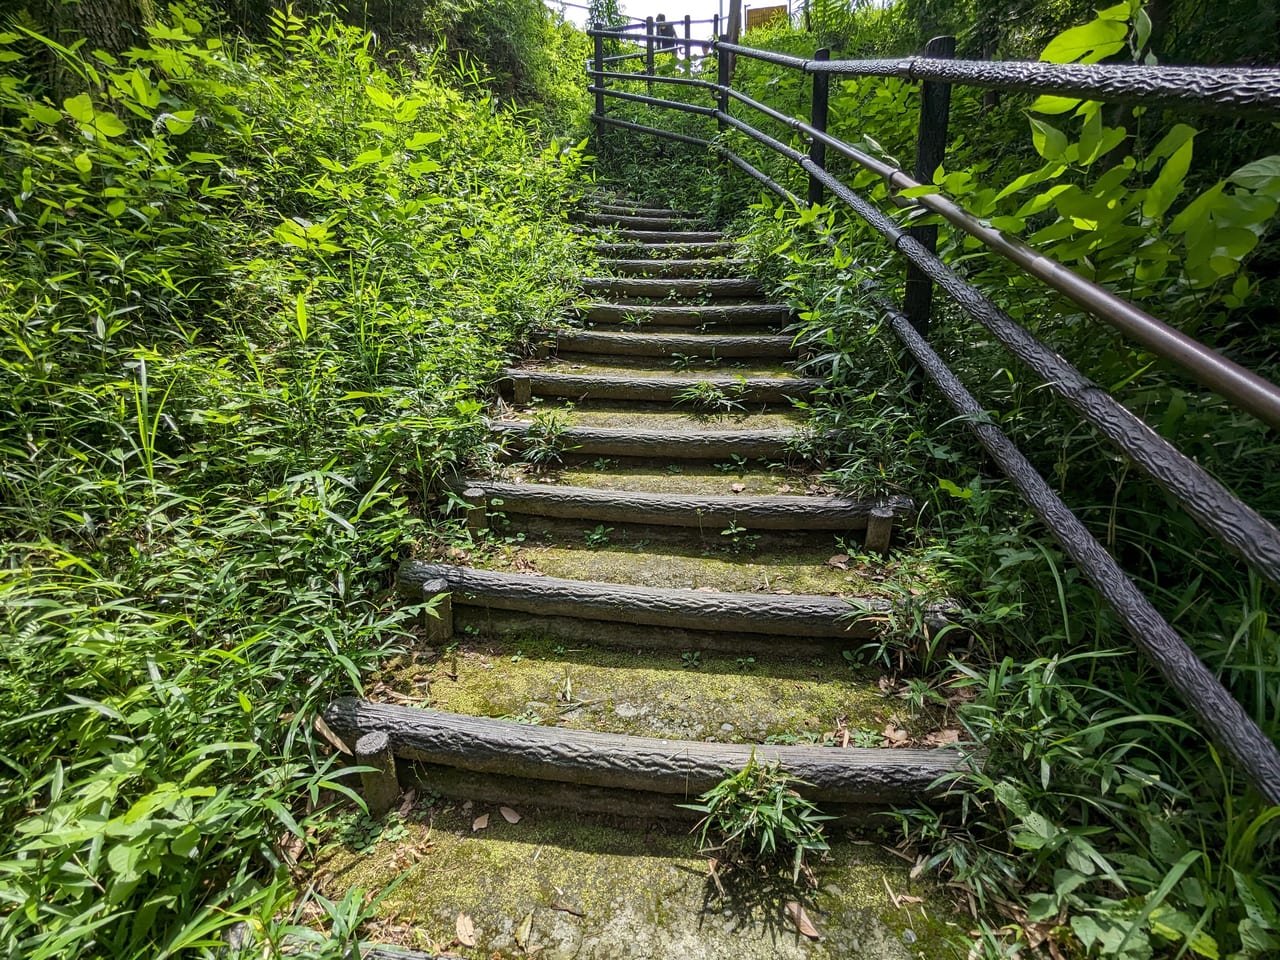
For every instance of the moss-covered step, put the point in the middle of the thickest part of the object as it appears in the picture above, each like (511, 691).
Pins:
(855, 775)
(659, 385)
(688, 315)
(669, 236)
(629, 210)
(566, 886)
(671, 287)
(625, 343)
(721, 479)
(681, 694)
(637, 222)
(753, 512)
(672, 250)
(776, 614)
(674, 421)
(693, 444)
(673, 268)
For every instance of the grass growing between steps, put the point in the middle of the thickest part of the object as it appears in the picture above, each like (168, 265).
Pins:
(682, 695)
(248, 297)
(569, 886)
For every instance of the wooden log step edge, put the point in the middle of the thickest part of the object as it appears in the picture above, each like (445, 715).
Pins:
(672, 286)
(607, 387)
(780, 615)
(628, 210)
(750, 314)
(672, 268)
(701, 250)
(636, 222)
(688, 510)
(608, 342)
(681, 769)
(671, 236)
(635, 442)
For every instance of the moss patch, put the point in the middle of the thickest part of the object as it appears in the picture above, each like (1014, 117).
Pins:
(655, 416)
(566, 886)
(610, 474)
(685, 696)
(657, 367)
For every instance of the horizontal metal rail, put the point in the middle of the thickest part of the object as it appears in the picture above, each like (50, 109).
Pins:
(1218, 711)
(617, 57)
(676, 81)
(657, 38)
(1251, 90)
(655, 101)
(653, 131)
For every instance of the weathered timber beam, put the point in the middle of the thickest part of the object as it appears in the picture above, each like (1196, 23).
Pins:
(654, 389)
(635, 222)
(671, 236)
(635, 442)
(673, 268)
(746, 314)
(783, 615)
(631, 211)
(672, 287)
(670, 344)
(676, 767)
(703, 249)
(688, 510)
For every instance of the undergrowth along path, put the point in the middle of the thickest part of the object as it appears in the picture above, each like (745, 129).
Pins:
(657, 592)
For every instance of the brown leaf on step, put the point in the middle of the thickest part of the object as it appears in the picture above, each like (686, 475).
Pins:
(895, 736)
(738, 487)
(886, 685)
(564, 908)
(785, 488)
(510, 815)
(523, 931)
(840, 561)
(480, 823)
(706, 589)
(940, 738)
(322, 728)
(457, 553)
(801, 919)
(291, 847)
(465, 930)
(407, 802)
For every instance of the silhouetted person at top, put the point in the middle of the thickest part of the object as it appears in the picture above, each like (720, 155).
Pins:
(665, 30)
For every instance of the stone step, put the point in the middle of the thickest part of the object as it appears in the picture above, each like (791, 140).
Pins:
(634, 211)
(673, 268)
(752, 512)
(626, 344)
(632, 222)
(671, 288)
(694, 444)
(670, 236)
(528, 383)
(776, 614)
(694, 479)
(746, 314)
(702, 249)
(676, 768)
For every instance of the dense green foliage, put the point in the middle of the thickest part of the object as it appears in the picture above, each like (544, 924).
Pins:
(249, 295)
(1100, 817)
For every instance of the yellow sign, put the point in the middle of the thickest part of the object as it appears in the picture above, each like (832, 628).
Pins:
(759, 16)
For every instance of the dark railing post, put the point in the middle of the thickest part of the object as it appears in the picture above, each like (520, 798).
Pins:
(599, 81)
(688, 47)
(722, 81)
(648, 51)
(931, 146)
(818, 120)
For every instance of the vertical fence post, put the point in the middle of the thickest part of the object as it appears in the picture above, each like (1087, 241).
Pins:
(598, 63)
(688, 47)
(722, 81)
(648, 51)
(931, 146)
(818, 120)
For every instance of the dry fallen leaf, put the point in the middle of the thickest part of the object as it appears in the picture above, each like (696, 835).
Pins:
(406, 804)
(509, 815)
(840, 561)
(895, 736)
(801, 919)
(785, 488)
(480, 822)
(323, 729)
(738, 487)
(466, 930)
(523, 931)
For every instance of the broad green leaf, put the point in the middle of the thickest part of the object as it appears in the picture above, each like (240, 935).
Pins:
(421, 139)
(80, 108)
(422, 167)
(1263, 175)
(1169, 183)
(43, 114)
(1169, 144)
(1089, 42)
(83, 162)
(1197, 210)
(1050, 104)
(1090, 138)
(380, 97)
(108, 124)
(180, 121)
(1047, 172)
(1050, 142)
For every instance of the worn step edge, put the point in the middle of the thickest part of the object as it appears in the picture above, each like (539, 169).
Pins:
(702, 250)
(671, 236)
(681, 768)
(666, 345)
(747, 314)
(655, 389)
(637, 222)
(672, 268)
(687, 510)
(637, 442)
(672, 287)
(783, 615)
(633, 211)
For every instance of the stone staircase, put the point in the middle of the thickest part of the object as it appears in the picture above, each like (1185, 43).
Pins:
(664, 592)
